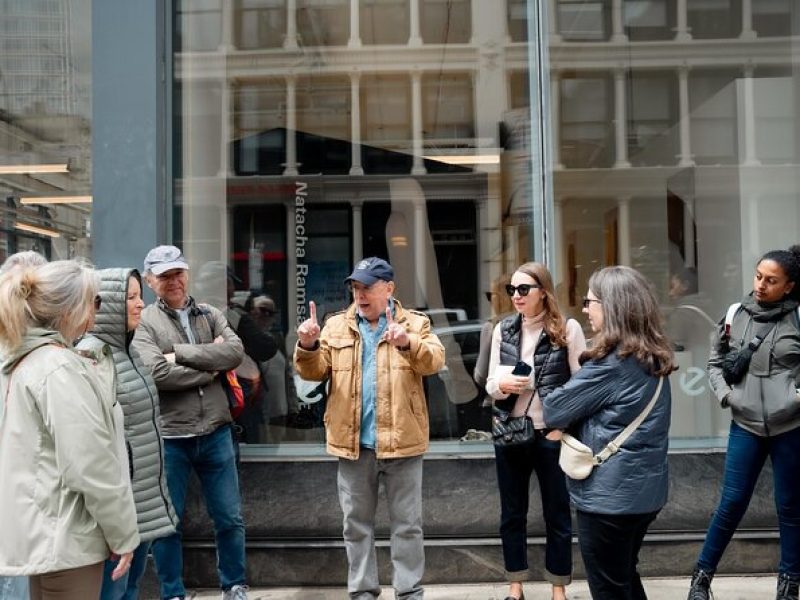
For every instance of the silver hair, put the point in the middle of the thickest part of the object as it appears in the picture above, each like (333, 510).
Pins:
(27, 258)
(57, 296)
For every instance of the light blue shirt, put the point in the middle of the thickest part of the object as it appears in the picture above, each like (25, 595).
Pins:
(183, 315)
(370, 338)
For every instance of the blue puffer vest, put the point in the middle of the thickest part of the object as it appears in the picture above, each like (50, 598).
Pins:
(556, 370)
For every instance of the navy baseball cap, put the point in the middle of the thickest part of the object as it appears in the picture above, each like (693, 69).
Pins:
(370, 270)
(164, 258)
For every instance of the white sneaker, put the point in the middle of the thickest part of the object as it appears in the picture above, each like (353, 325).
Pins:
(237, 592)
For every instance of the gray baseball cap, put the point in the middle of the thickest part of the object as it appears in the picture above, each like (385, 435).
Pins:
(164, 258)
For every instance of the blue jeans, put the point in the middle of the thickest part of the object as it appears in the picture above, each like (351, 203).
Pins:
(127, 586)
(747, 453)
(14, 588)
(212, 458)
(515, 464)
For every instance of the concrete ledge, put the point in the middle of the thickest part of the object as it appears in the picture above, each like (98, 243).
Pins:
(294, 524)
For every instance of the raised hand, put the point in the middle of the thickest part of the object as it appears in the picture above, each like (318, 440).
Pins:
(395, 333)
(308, 330)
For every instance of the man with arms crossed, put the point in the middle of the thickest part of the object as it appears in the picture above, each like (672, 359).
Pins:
(375, 354)
(188, 346)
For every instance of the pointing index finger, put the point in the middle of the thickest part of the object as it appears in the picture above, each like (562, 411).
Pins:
(312, 307)
(389, 319)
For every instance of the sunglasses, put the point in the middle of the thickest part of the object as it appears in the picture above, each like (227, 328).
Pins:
(523, 288)
(266, 311)
(98, 301)
(588, 301)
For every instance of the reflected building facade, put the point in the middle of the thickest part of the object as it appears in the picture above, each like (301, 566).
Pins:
(456, 138)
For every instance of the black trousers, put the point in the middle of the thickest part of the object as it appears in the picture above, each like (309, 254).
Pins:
(610, 549)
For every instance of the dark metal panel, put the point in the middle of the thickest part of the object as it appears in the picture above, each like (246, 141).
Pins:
(129, 113)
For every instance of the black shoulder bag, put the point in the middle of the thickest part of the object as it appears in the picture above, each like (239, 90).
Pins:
(735, 363)
(515, 431)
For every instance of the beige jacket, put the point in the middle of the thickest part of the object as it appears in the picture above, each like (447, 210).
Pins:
(65, 500)
(401, 412)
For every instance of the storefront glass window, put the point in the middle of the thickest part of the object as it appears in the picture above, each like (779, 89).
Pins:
(45, 128)
(675, 151)
(311, 133)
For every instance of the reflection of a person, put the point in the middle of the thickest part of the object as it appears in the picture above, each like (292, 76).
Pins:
(501, 307)
(281, 401)
(213, 278)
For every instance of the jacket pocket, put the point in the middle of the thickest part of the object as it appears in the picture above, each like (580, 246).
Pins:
(780, 399)
(342, 353)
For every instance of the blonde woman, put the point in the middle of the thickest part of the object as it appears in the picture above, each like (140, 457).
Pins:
(541, 337)
(65, 499)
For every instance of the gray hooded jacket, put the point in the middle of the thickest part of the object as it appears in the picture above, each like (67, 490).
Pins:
(766, 401)
(136, 392)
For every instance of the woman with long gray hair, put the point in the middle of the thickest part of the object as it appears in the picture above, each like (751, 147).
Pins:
(65, 499)
(619, 378)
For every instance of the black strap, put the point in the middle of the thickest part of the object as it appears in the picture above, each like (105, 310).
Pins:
(541, 369)
(758, 339)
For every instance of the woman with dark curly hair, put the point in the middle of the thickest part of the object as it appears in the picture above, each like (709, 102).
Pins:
(765, 411)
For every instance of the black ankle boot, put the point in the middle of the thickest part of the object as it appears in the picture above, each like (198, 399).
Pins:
(787, 587)
(701, 586)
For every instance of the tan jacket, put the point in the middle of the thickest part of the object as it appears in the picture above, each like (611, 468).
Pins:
(65, 498)
(401, 412)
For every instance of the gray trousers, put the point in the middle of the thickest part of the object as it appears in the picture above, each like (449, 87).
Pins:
(358, 495)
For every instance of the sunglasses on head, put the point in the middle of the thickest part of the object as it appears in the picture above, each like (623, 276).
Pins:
(98, 301)
(523, 288)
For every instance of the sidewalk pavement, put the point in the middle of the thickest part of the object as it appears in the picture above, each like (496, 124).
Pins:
(724, 587)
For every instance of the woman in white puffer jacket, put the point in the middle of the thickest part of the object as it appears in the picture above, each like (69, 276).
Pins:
(65, 501)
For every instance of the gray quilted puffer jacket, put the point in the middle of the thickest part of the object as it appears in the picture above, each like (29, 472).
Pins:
(136, 392)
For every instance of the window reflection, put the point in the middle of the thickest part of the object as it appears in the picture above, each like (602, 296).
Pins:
(45, 122)
(670, 164)
(310, 133)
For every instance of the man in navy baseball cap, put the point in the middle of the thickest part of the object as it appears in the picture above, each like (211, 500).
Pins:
(374, 356)
(370, 270)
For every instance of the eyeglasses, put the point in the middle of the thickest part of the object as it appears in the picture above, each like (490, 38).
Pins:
(97, 302)
(588, 301)
(523, 288)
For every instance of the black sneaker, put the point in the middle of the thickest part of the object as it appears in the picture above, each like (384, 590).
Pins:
(701, 586)
(787, 587)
